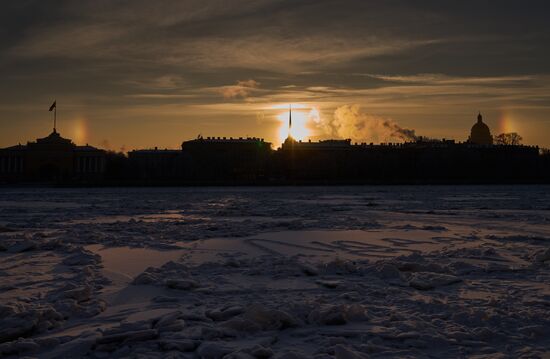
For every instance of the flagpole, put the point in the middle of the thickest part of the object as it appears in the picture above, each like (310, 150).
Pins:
(53, 108)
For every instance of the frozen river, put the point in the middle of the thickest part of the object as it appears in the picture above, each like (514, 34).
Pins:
(286, 272)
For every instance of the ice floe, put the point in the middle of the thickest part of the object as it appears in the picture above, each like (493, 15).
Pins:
(350, 272)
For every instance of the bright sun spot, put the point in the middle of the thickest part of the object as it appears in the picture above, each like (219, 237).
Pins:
(302, 116)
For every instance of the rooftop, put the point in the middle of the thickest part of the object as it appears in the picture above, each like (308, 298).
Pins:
(227, 139)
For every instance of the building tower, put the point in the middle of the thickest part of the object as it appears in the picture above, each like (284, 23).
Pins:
(290, 120)
(480, 133)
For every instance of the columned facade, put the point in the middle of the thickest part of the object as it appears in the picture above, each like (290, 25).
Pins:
(12, 164)
(89, 162)
(51, 159)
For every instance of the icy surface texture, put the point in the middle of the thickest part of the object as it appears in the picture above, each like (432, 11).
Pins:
(323, 272)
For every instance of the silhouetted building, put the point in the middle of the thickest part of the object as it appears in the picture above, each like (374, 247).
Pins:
(309, 160)
(480, 134)
(155, 164)
(291, 143)
(51, 159)
(422, 161)
(221, 158)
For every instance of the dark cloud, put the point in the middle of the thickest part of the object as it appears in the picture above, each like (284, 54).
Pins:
(173, 57)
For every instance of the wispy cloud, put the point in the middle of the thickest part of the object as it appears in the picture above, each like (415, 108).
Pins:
(187, 62)
(163, 82)
(242, 89)
(161, 96)
(453, 80)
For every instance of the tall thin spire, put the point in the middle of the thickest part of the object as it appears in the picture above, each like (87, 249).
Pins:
(289, 119)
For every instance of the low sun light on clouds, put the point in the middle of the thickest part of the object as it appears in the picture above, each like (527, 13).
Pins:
(144, 76)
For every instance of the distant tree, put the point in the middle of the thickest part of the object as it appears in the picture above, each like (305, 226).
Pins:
(510, 139)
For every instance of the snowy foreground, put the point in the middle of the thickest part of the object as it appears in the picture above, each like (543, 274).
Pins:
(352, 272)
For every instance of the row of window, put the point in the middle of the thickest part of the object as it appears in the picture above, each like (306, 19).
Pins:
(11, 164)
(86, 164)
(89, 164)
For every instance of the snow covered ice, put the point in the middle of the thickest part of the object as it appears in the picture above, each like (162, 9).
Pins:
(304, 272)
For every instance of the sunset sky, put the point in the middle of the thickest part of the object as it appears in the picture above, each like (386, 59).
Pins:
(141, 73)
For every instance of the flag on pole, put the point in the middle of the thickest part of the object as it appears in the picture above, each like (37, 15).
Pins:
(53, 106)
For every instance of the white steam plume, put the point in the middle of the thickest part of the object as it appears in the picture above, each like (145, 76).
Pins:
(350, 122)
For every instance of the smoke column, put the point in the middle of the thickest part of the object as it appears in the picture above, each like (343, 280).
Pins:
(350, 122)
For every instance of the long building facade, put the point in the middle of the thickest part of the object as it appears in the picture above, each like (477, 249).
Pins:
(422, 161)
(212, 159)
(51, 159)
(221, 160)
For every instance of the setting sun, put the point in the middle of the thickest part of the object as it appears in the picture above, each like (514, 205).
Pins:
(302, 118)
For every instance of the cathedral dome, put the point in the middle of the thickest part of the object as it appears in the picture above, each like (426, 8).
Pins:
(480, 134)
